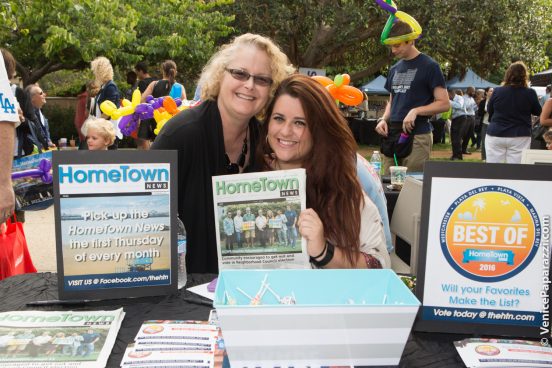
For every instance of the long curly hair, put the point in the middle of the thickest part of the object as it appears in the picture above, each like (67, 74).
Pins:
(102, 69)
(333, 189)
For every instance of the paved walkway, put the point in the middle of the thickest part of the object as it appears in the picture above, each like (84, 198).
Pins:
(41, 238)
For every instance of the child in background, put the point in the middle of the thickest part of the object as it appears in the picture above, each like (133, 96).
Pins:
(99, 133)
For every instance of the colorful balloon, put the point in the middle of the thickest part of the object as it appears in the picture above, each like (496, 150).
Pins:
(340, 90)
(42, 172)
(391, 7)
(322, 80)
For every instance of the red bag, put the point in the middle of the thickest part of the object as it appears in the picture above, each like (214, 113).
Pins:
(14, 254)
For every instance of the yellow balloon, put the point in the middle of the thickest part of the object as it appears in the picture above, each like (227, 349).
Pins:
(108, 107)
(413, 23)
(136, 97)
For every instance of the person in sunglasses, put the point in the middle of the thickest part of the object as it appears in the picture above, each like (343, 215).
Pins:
(341, 225)
(218, 136)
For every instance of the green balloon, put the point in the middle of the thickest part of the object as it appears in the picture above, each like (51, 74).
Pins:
(338, 80)
(387, 28)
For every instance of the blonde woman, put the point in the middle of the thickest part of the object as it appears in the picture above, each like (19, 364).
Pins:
(103, 74)
(220, 135)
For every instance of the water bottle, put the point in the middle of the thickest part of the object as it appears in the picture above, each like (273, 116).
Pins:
(181, 239)
(375, 161)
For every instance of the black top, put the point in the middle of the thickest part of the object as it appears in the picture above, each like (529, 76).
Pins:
(197, 135)
(411, 83)
(162, 88)
(510, 109)
(144, 83)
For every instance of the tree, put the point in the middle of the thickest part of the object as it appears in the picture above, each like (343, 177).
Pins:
(186, 31)
(344, 35)
(46, 36)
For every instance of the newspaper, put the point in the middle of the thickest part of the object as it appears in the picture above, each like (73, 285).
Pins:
(58, 339)
(31, 192)
(494, 353)
(256, 217)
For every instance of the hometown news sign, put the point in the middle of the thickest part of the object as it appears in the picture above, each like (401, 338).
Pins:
(115, 213)
(484, 254)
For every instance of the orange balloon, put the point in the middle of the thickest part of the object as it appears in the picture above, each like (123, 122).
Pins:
(346, 79)
(333, 89)
(170, 105)
(325, 81)
(349, 95)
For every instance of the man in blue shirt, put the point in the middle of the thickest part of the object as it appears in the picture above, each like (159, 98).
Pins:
(418, 91)
(88, 340)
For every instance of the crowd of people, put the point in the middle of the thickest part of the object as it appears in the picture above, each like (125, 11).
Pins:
(270, 228)
(257, 114)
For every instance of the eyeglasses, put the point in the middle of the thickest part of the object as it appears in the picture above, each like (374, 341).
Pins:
(244, 76)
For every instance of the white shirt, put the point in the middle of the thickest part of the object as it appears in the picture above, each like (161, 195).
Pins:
(8, 103)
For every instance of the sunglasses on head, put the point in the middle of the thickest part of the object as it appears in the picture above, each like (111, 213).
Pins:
(244, 76)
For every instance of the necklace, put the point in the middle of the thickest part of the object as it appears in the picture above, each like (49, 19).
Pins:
(232, 167)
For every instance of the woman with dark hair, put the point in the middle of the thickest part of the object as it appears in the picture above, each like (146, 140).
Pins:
(166, 86)
(342, 225)
(510, 109)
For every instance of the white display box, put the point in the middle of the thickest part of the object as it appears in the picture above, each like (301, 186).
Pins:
(341, 317)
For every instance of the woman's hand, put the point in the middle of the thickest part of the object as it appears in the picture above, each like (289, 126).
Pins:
(312, 229)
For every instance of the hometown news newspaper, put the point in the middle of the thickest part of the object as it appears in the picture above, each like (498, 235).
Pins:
(256, 215)
(58, 338)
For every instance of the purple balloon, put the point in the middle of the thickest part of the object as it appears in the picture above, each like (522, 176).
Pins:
(129, 123)
(144, 111)
(385, 6)
(42, 172)
(157, 103)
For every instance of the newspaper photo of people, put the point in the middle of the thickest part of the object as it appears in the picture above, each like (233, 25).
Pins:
(259, 228)
(257, 216)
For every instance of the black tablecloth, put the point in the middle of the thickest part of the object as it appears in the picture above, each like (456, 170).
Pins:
(422, 349)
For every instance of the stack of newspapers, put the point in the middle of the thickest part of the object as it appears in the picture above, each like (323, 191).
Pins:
(172, 343)
(58, 338)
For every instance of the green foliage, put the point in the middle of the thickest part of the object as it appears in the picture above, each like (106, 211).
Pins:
(60, 120)
(344, 36)
(185, 31)
(64, 83)
(47, 36)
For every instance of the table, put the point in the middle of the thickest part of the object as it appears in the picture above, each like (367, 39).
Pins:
(427, 350)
